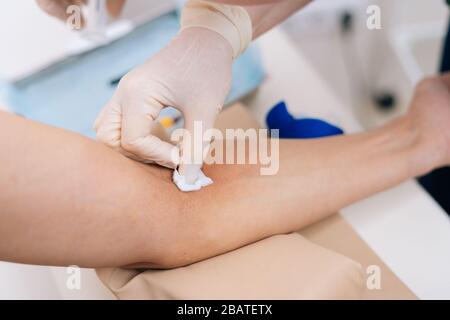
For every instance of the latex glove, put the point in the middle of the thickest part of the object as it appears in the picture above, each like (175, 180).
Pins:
(58, 8)
(192, 74)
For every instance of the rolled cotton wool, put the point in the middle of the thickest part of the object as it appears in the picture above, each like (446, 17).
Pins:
(180, 181)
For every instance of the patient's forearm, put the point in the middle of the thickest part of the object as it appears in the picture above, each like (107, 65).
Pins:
(68, 200)
(316, 179)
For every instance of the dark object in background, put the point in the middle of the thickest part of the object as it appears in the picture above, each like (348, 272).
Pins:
(437, 183)
(346, 21)
(304, 128)
(385, 101)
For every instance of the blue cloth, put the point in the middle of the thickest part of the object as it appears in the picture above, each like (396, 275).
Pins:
(305, 128)
(70, 94)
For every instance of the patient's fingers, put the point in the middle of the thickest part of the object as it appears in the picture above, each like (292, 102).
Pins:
(446, 78)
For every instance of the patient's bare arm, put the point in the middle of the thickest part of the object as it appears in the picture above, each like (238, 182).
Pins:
(316, 178)
(68, 200)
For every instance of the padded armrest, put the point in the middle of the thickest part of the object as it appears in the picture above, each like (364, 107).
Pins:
(280, 267)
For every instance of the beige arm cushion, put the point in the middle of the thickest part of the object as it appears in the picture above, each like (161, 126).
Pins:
(280, 267)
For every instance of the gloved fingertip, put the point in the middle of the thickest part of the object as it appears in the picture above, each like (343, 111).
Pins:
(167, 164)
(96, 125)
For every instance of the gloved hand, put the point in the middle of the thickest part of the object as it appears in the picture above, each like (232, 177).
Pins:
(58, 8)
(192, 74)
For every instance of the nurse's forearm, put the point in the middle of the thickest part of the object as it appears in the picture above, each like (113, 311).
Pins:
(266, 16)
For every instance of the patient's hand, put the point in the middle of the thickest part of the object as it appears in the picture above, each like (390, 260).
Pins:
(430, 114)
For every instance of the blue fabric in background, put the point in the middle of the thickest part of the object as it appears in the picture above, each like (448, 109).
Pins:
(70, 94)
(304, 128)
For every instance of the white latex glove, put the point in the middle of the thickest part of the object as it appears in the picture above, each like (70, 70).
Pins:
(192, 74)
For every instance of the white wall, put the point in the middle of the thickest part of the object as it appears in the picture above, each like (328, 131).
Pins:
(408, 47)
(28, 37)
(371, 61)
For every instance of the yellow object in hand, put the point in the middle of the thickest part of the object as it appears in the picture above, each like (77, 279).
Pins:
(167, 122)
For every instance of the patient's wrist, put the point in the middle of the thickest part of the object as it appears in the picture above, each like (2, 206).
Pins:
(426, 151)
(402, 139)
